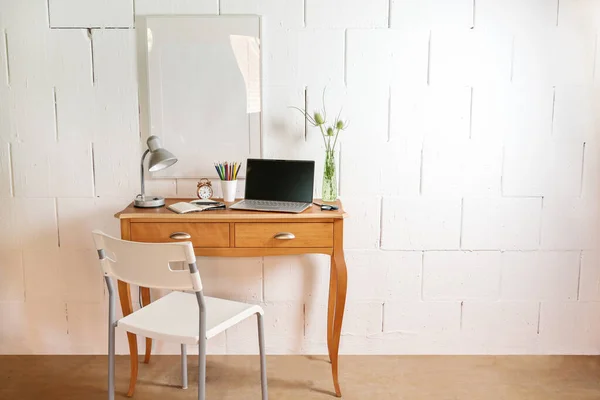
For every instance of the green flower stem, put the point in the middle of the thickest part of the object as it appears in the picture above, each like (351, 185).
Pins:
(336, 138)
(324, 137)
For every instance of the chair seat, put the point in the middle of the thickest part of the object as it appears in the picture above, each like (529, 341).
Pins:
(174, 317)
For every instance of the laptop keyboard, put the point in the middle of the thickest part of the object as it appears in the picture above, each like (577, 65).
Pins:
(273, 205)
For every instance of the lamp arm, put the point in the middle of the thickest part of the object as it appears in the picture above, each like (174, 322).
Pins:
(143, 195)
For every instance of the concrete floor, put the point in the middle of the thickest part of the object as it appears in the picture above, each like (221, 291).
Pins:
(306, 378)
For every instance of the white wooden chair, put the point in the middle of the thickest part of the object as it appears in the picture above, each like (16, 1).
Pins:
(189, 319)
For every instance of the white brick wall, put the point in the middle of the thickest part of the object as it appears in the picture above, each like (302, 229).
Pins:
(554, 56)
(468, 57)
(579, 13)
(62, 169)
(516, 15)
(461, 167)
(178, 7)
(431, 13)
(422, 318)
(461, 275)
(513, 111)
(311, 273)
(542, 168)
(569, 327)
(90, 13)
(557, 275)
(316, 45)
(396, 274)
(381, 169)
(421, 223)
(288, 14)
(412, 107)
(501, 223)
(589, 289)
(578, 216)
(501, 327)
(5, 170)
(363, 231)
(573, 115)
(12, 279)
(343, 14)
(469, 172)
(386, 55)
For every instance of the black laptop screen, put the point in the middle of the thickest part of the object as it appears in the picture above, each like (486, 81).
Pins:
(280, 180)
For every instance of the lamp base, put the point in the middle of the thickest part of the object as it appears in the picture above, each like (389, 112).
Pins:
(149, 201)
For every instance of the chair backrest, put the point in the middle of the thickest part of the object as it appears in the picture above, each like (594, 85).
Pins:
(148, 264)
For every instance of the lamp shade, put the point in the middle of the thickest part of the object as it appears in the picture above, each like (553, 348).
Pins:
(159, 157)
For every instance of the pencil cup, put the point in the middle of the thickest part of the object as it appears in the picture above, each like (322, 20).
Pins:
(228, 188)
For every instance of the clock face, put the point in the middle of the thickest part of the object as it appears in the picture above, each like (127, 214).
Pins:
(205, 192)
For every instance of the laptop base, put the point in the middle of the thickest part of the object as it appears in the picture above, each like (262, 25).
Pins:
(271, 206)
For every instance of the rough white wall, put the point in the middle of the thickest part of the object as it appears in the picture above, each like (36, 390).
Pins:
(470, 171)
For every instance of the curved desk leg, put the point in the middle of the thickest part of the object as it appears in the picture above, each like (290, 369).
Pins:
(341, 282)
(331, 307)
(145, 301)
(127, 308)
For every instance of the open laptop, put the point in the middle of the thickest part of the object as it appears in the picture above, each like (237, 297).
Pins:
(278, 185)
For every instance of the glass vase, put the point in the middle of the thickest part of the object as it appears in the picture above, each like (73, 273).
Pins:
(329, 177)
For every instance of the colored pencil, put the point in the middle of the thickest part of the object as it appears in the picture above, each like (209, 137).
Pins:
(228, 171)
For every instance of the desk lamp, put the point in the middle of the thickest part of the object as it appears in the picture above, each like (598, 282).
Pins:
(159, 160)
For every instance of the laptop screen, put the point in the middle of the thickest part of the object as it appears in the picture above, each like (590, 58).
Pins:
(280, 180)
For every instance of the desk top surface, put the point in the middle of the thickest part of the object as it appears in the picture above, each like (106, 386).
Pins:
(313, 212)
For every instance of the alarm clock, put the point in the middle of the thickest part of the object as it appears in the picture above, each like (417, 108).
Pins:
(205, 190)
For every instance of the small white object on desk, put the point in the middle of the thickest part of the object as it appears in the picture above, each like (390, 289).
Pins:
(228, 188)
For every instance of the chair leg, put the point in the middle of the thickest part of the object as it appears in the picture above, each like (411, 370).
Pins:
(184, 380)
(111, 338)
(263, 357)
(111, 363)
(202, 369)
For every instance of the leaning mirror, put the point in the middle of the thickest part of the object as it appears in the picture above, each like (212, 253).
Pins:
(200, 89)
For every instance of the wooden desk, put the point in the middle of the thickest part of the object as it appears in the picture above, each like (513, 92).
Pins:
(231, 233)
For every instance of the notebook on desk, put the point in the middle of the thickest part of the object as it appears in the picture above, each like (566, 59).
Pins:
(278, 186)
(194, 206)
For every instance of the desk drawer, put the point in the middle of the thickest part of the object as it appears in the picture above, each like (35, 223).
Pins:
(283, 234)
(203, 234)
